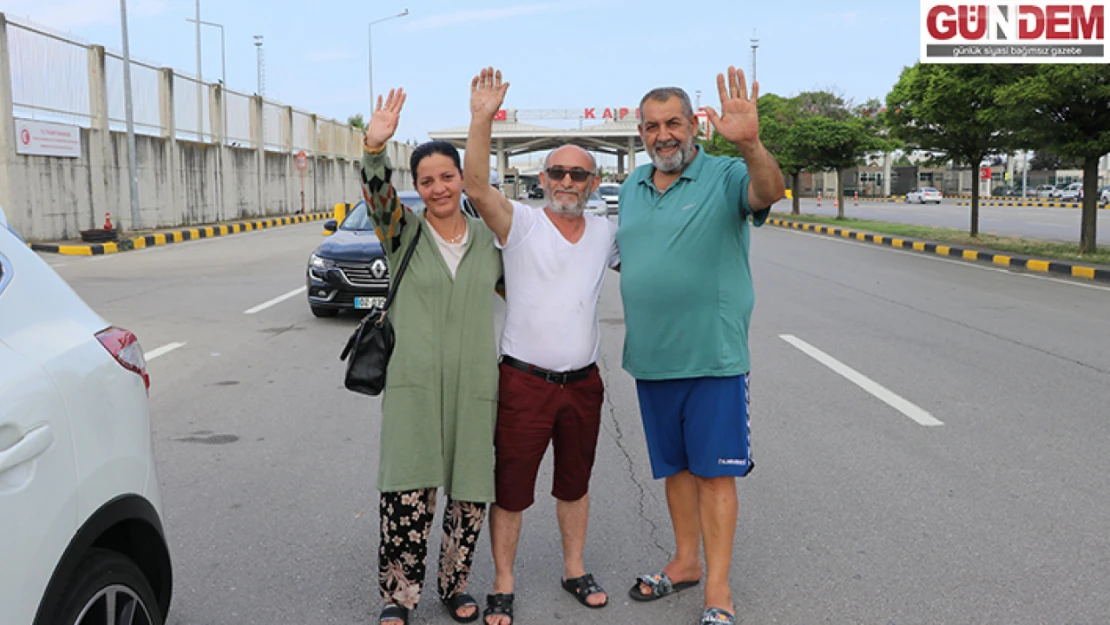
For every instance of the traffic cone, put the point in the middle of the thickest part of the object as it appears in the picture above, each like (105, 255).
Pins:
(836, 202)
(855, 197)
(107, 221)
(818, 198)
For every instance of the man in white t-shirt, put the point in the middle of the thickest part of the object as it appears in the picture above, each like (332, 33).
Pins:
(555, 261)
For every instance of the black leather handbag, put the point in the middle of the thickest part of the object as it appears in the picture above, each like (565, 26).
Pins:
(368, 349)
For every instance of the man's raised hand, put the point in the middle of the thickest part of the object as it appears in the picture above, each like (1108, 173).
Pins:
(487, 92)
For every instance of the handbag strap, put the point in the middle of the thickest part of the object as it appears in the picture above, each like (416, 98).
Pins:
(401, 270)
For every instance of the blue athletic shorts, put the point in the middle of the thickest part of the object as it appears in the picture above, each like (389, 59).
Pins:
(697, 424)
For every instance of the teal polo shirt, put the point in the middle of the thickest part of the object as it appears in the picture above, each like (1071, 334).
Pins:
(685, 278)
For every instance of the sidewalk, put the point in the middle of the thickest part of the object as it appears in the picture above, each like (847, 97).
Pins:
(1099, 273)
(176, 235)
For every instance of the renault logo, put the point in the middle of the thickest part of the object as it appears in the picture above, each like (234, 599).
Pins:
(378, 268)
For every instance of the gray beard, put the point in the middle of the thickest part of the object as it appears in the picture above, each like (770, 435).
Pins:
(573, 209)
(675, 162)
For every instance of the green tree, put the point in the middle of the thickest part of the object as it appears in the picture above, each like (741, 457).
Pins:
(832, 136)
(357, 121)
(1065, 109)
(952, 109)
(778, 118)
(1045, 160)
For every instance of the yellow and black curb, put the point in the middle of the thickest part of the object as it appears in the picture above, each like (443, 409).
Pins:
(1037, 204)
(175, 236)
(951, 251)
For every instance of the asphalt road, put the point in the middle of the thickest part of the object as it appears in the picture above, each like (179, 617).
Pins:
(930, 439)
(1050, 224)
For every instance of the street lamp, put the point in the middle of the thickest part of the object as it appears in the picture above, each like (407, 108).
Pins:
(223, 68)
(132, 166)
(370, 53)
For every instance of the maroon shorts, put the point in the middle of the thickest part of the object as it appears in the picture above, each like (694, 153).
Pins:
(531, 413)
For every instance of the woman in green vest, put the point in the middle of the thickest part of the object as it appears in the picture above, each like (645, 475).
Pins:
(438, 406)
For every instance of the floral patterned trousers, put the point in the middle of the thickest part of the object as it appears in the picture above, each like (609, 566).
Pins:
(403, 553)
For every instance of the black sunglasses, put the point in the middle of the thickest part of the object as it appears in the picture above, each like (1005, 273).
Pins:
(556, 174)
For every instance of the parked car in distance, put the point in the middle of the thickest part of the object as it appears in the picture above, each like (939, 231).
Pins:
(535, 193)
(1045, 191)
(610, 192)
(1073, 192)
(597, 206)
(80, 504)
(923, 195)
(1104, 196)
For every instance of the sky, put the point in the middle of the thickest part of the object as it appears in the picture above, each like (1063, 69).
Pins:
(564, 54)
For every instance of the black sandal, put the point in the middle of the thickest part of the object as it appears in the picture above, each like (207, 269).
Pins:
(583, 587)
(459, 601)
(499, 603)
(394, 612)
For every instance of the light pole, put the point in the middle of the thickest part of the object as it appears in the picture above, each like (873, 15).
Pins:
(200, 83)
(370, 54)
(223, 70)
(132, 166)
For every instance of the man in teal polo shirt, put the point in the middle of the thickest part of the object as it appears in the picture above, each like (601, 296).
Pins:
(687, 291)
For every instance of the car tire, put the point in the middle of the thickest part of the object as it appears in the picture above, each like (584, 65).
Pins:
(103, 573)
(324, 312)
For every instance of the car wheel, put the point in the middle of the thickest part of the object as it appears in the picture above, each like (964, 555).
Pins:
(108, 587)
(324, 312)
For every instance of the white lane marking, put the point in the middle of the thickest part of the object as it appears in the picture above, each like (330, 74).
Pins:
(889, 397)
(942, 259)
(277, 300)
(161, 351)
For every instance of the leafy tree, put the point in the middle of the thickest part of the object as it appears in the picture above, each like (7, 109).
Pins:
(357, 121)
(1045, 160)
(835, 137)
(1065, 109)
(952, 109)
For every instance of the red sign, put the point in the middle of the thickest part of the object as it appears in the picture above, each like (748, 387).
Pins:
(500, 116)
(613, 113)
(985, 173)
(302, 160)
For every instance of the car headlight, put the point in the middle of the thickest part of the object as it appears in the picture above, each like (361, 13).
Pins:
(320, 264)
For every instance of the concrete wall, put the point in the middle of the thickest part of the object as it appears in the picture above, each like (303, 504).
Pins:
(180, 182)
(52, 198)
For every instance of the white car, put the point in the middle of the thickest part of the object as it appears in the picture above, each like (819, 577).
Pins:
(924, 194)
(596, 205)
(1073, 192)
(1104, 197)
(610, 192)
(80, 510)
(1045, 191)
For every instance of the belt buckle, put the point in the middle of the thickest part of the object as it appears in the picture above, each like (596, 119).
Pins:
(556, 378)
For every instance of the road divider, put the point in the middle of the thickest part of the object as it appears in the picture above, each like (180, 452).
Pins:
(161, 351)
(1012, 261)
(277, 300)
(890, 398)
(175, 236)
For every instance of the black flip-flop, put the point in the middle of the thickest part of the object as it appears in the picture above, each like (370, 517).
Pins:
(660, 584)
(394, 612)
(459, 601)
(499, 604)
(583, 587)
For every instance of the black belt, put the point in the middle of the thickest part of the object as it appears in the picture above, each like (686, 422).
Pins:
(556, 377)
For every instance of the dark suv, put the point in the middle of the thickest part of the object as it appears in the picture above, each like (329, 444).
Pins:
(349, 270)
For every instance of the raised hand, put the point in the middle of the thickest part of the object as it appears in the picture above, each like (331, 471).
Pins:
(739, 118)
(384, 121)
(487, 92)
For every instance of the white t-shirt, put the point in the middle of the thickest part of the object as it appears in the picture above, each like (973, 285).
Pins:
(552, 287)
(452, 252)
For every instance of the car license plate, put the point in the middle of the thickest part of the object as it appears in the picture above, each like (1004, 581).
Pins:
(369, 302)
